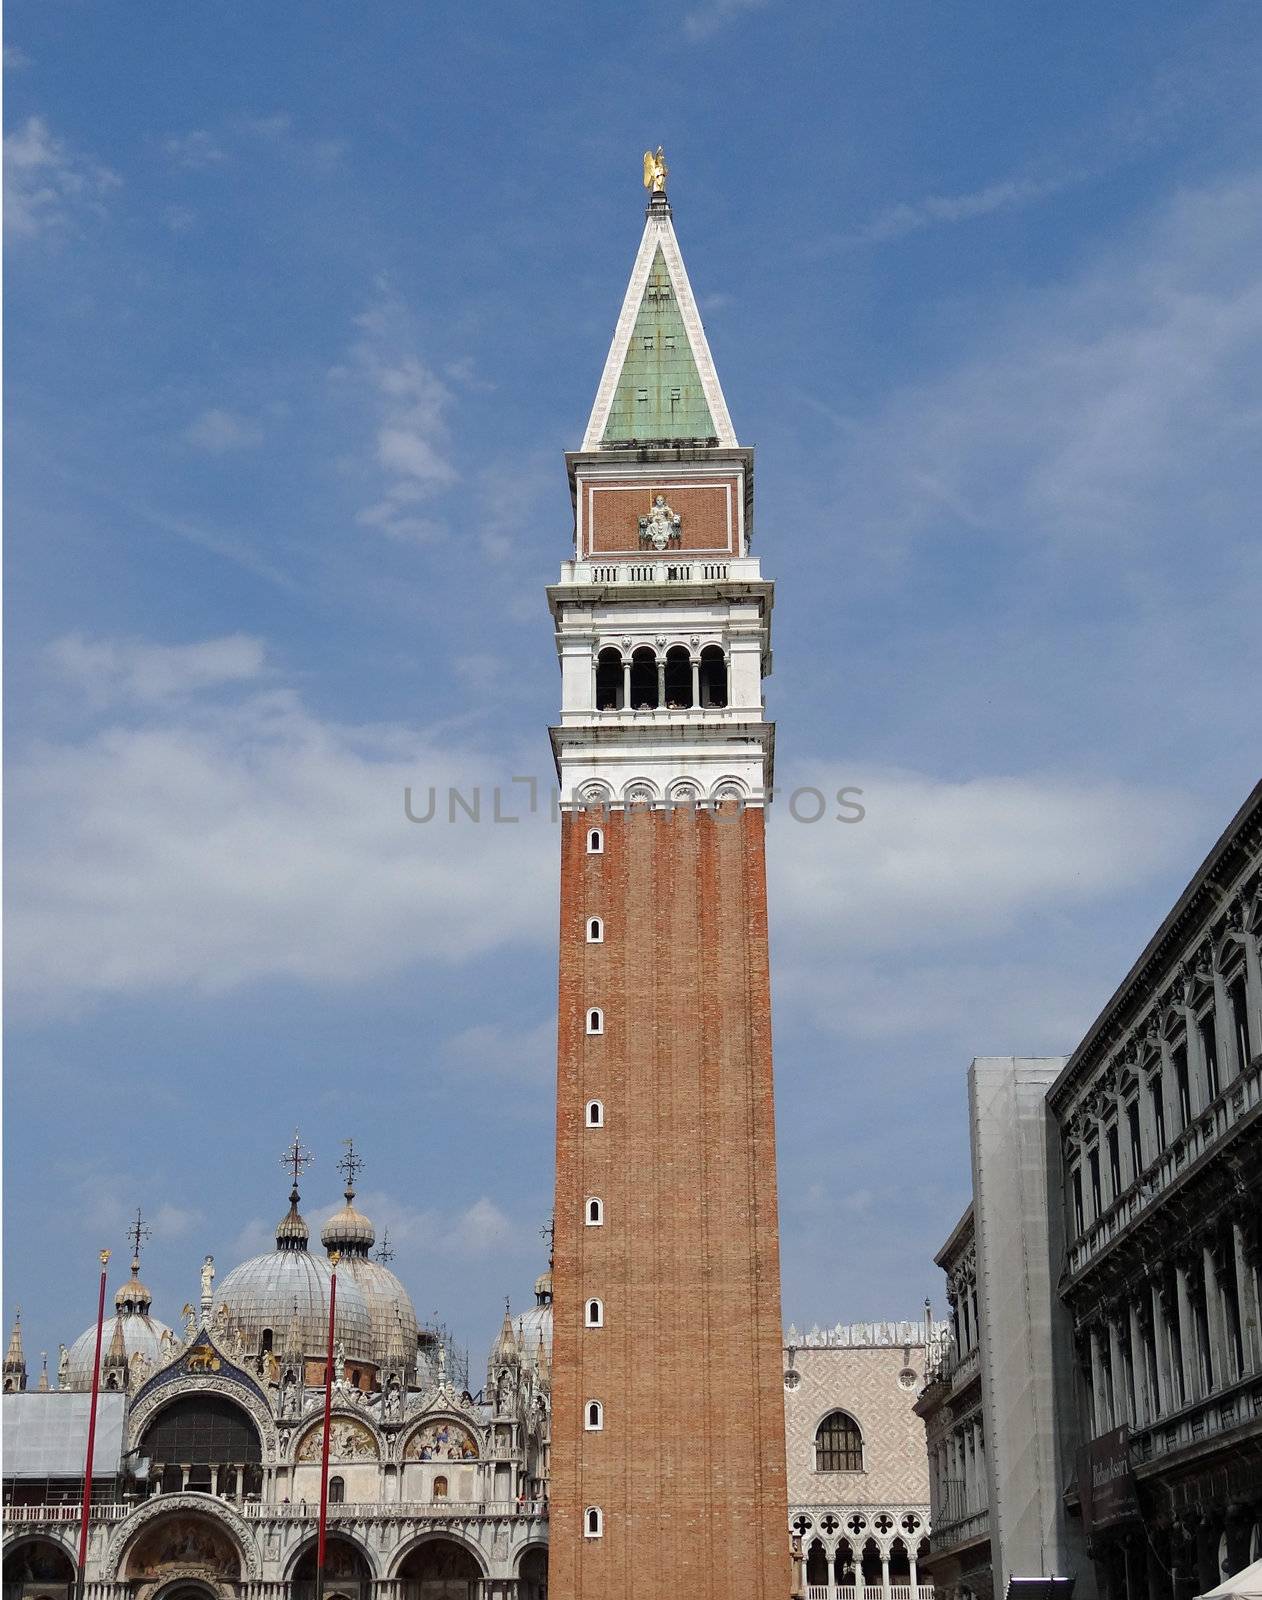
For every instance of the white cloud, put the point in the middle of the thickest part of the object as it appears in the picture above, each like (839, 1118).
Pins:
(47, 185)
(228, 840)
(906, 922)
(109, 670)
(961, 860)
(706, 20)
(910, 217)
(15, 59)
(1120, 408)
(217, 432)
(411, 440)
(196, 149)
(496, 1050)
(416, 1232)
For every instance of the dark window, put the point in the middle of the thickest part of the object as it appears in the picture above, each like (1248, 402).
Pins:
(678, 677)
(1136, 1141)
(713, 677)
(1093, 1167)
(1115, 1163)
(1240, 1022)
(1158, 1111)
(202, 1429)
(1176, 1350)
(337, 1491)
(643, 680)
(1180, 1058)
(839, 1444)
(1209, 1051)
(267, 1341)
(1079, 1223)
(440, 1488)
(609, 681)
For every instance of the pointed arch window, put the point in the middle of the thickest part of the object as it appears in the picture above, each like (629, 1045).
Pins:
(595, 1020)
(839, 1444)
(593, 1416)
(594, 1314)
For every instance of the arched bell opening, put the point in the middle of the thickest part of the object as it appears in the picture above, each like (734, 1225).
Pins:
(643, 680)
(610, 680)
(678, 678)
(712, 674)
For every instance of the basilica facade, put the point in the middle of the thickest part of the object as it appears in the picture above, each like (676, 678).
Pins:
(207, 1466)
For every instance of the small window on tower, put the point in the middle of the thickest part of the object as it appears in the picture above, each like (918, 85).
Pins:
(675, 396)
(595, 1020)
(648, 341)
(595, 1213)
(595, 1114)
(594, 1314)
(593, 1523)
(595, 842)
(668, 341)
(595, 931)
(595, 1419)
(642, 397)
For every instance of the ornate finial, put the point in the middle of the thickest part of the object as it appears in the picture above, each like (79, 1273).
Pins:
(297, 1158)
(334, 1257)
(383, 1251)
(655, 170)
(138, 1233)
(105, 1258)
(350, 1167)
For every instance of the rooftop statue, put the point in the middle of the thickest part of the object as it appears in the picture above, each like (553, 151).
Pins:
(655, 170)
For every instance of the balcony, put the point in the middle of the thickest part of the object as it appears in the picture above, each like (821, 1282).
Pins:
(1201, 1141)
(665, 570)
(1200, 1423)
(869, 1591)
(957, 1518)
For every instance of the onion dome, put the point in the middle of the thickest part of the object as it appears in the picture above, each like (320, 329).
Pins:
(535, 1326)
(389, 1304)
(283, 1295)
(133, 1297)
(130, 1332)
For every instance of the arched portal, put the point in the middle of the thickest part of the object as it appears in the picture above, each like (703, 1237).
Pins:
(343, 1559)
(36, 1561)
(532, 1574)
(441, 1569)
(816, 1564)
(186, 1549)
(183, 1590)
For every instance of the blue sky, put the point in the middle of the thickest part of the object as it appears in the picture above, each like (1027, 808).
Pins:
(305, 304)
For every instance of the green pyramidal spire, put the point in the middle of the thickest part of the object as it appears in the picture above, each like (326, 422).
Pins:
(659, 393)
(659, 384)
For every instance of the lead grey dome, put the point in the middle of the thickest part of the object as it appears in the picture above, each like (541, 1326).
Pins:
(265, 1295)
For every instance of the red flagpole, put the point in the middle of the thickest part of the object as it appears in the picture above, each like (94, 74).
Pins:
(334, 1258)
(96, 1392)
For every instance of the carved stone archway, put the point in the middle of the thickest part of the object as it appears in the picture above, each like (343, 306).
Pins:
(202, 1506)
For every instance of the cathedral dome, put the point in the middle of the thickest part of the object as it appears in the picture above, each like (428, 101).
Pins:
(390, 1307)
(286, 1292)
(141, 1334)
(534, 1327)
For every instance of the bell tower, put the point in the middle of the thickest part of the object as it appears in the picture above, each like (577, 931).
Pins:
(668, 1472)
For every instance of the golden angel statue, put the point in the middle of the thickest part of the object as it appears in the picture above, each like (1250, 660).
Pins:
(655, 170)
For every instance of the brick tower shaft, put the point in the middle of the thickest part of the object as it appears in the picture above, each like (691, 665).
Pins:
(667, 1465)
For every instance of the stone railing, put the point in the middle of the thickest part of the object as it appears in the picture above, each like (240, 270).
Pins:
(659, 569)
(1240, 1100)
(869, 1591)
(1204, 1420)
(107, 1511)
(379, 1510)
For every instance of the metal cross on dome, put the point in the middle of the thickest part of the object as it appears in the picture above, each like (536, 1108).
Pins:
(351, 1165)
(138, 1233)
(296, 1157)
(383, 1251)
